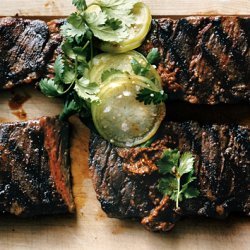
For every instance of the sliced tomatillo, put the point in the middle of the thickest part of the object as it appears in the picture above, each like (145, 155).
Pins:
(137, 32)
(120, 118)
(104, 63)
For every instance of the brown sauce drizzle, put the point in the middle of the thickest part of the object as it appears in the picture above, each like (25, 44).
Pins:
(16, 102)
(20, 114)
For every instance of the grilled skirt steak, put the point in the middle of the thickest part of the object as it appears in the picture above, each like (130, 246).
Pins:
(26, 47)
(34, 168)
(203, 60)
(126, 180)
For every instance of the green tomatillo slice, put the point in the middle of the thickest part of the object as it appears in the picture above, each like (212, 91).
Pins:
(104, 63)
(137, 32)
(120, 118)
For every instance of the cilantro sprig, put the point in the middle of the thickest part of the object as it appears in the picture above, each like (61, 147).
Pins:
(148, 95)
(152, 58)
(140, 69)
(177, 175)
(107, 20)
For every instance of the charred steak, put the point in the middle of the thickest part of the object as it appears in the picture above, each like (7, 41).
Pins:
(204, 60)
(126, 180)
(26, 47)
(34, 168)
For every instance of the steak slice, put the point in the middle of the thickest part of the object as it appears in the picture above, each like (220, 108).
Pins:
(34, 168)
(126, 180)
(204, 60)
(26, 47)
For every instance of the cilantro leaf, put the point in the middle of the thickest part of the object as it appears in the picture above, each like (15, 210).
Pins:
(76, 20)
(118, 9)
(114, 23)
(177, 171)
(70, 108)
(96, 18)
(97, 24)
(138, 68)
(87, 90)
(149, 96)
(187, 179)
(168, 161)
(186, 163)
(167, 185)
(69, 75)
(71, 32)
(80, 4)
(67, 48)
(50, 88)
(153, 56)
(59, 68)
(107, 73)
(73, 105)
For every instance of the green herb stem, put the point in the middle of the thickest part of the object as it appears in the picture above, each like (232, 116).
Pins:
(178, 191)
(86, 45)
(173, 166)
(91, 51)
(110, 23)
(68, 89)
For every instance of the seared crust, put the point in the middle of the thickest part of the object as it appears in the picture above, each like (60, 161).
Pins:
(128, 189)
(34, 168)
(26, 48)
(204, 60)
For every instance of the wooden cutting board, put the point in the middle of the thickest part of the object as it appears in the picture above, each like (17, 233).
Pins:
(90, 228)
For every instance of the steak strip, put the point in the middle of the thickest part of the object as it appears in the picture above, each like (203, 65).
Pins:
(26, 49)
(34, 168)
(126, 180)
(204, 60)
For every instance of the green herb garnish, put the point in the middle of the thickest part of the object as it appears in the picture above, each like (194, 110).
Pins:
(50, 88)
(107, 73)
(149, 96)
(153, 56)
(139, 69)
(107, 20)
(177, 171)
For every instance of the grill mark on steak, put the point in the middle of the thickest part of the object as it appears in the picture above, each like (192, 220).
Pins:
(204, 60)
(34, 168)
(26, 46)
(221, 167)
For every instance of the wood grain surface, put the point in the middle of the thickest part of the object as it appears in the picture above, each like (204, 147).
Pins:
(90, 228)
(158, 7)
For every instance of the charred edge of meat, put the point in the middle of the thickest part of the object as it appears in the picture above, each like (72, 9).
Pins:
(26, 47)
(204, 60)
(34, 168)
(221, 167)
(54, 28)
